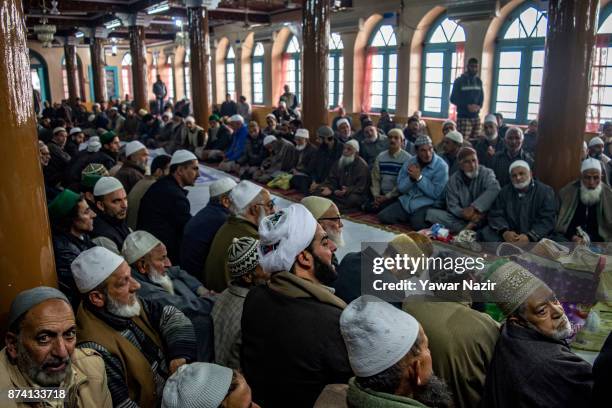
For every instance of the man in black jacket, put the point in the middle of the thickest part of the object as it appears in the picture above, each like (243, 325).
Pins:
(327, 155)
(165, 209)
(110, 226)
(468, 96)
(55, 171)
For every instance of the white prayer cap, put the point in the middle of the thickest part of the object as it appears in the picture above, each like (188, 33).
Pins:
(190, 119)
(106, 185)
(271, 116)
(202, 385)
(93, 144)
(61, 129)
(283, 235)
(454, 136)
(303, 133)
(236, 118)
(138, 244)
(93, 266)
(519, 163)
(317, 205)
(590, 164)
(449, 122)
(221, 186)
(133, 147)
(167, 114)
(269, 139)
(596, 141)
(91, 118)
(491, 118)
(376, 334)
(75, 130)
(244, 193)
(354, 144)
(341, 121)
(182, 156)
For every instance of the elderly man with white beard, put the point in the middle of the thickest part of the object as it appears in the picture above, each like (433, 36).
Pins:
(470, 192)
(327, 214)
(134, 166)
(532, 365)
(250, 204)
(586, 204)
(142, 342)
(525, 210)
(491, 143)
(372, 144)
(170, 285)
(348, 181)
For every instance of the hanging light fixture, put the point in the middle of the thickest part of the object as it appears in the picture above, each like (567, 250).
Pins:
(44, 32)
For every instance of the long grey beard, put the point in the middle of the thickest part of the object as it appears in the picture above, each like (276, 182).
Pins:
(161, 279)
(590, 196)
(118, 309)
(337, 237)
(346, 161)
(523, 185)
(472, 174)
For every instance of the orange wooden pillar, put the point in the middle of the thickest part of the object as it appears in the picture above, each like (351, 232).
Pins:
(71, 69)
(199, 45)
(565, 89)
(26, 254)
(139, 65)
(96, 50)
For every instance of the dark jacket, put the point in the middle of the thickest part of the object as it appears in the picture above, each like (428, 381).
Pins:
(164, 211)
(111, 228)
(129, 174)
(55, 171)
(531, 370)
(105, 157)
(467, 90)
(159, 89)
(254, 152)
(305, 157)
(77, 164)
(602, 375)
(501, 162)
(291, 342)
(324, 161)
(66, 247)
(71, 148)
(482, 147)
(198, 236)
(229, 108)
(222, 141)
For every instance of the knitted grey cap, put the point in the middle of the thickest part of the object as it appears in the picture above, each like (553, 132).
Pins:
(27, 299)
(423, 140)
(325, 131)
(242, 256)
(197, 385)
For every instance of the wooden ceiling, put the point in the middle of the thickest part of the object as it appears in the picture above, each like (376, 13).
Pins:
(75, 14)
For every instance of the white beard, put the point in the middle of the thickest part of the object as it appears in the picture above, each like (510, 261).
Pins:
(523, 185)
(565, 332)
(472, 174)
(346, 161)
(299, 148)
(161, 279)
(492, 137)
(337, 237)
(262, 214)
(590, 196)
(116, 308)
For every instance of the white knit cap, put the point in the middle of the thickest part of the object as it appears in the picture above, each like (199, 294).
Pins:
(167, 114)
(269, 139)
(303, 133)
(133, 147)
(341, 121)
(454, 136)
(190, 119)
(59, 129)
(221, 186)
(93, 266)
(519, 163)
(138, 244)
(491, 118)
(182, 156)
(354, 144)
(590, 164)
(93, 144)
(271, 116)
(91, 118)
(236, 118)
(376, 334)
(75, 130)
(244, 193)
(449, 122)
(317, 205)
(197, 385)
(283, 235)
(106, 185)
(593, 142)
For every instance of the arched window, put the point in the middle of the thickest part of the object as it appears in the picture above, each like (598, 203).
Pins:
(65, 78)
(383, 48)
(40, 75)
(187, 74)
(257, 72)
(126, 74)
(520, 63)
(230, 72)
(293, 71)
(442, 64)
(170, 76)
(600, 107)
(336, 70)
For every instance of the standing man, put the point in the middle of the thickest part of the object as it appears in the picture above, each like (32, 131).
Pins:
(468, 96)
(159, 89)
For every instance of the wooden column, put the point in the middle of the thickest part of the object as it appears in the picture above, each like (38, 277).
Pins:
(71, 69)
(315, 38)
(26, 251)
(138, 52)
(199, 43)
(348, 40)
(562, 116)
(96, 51)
